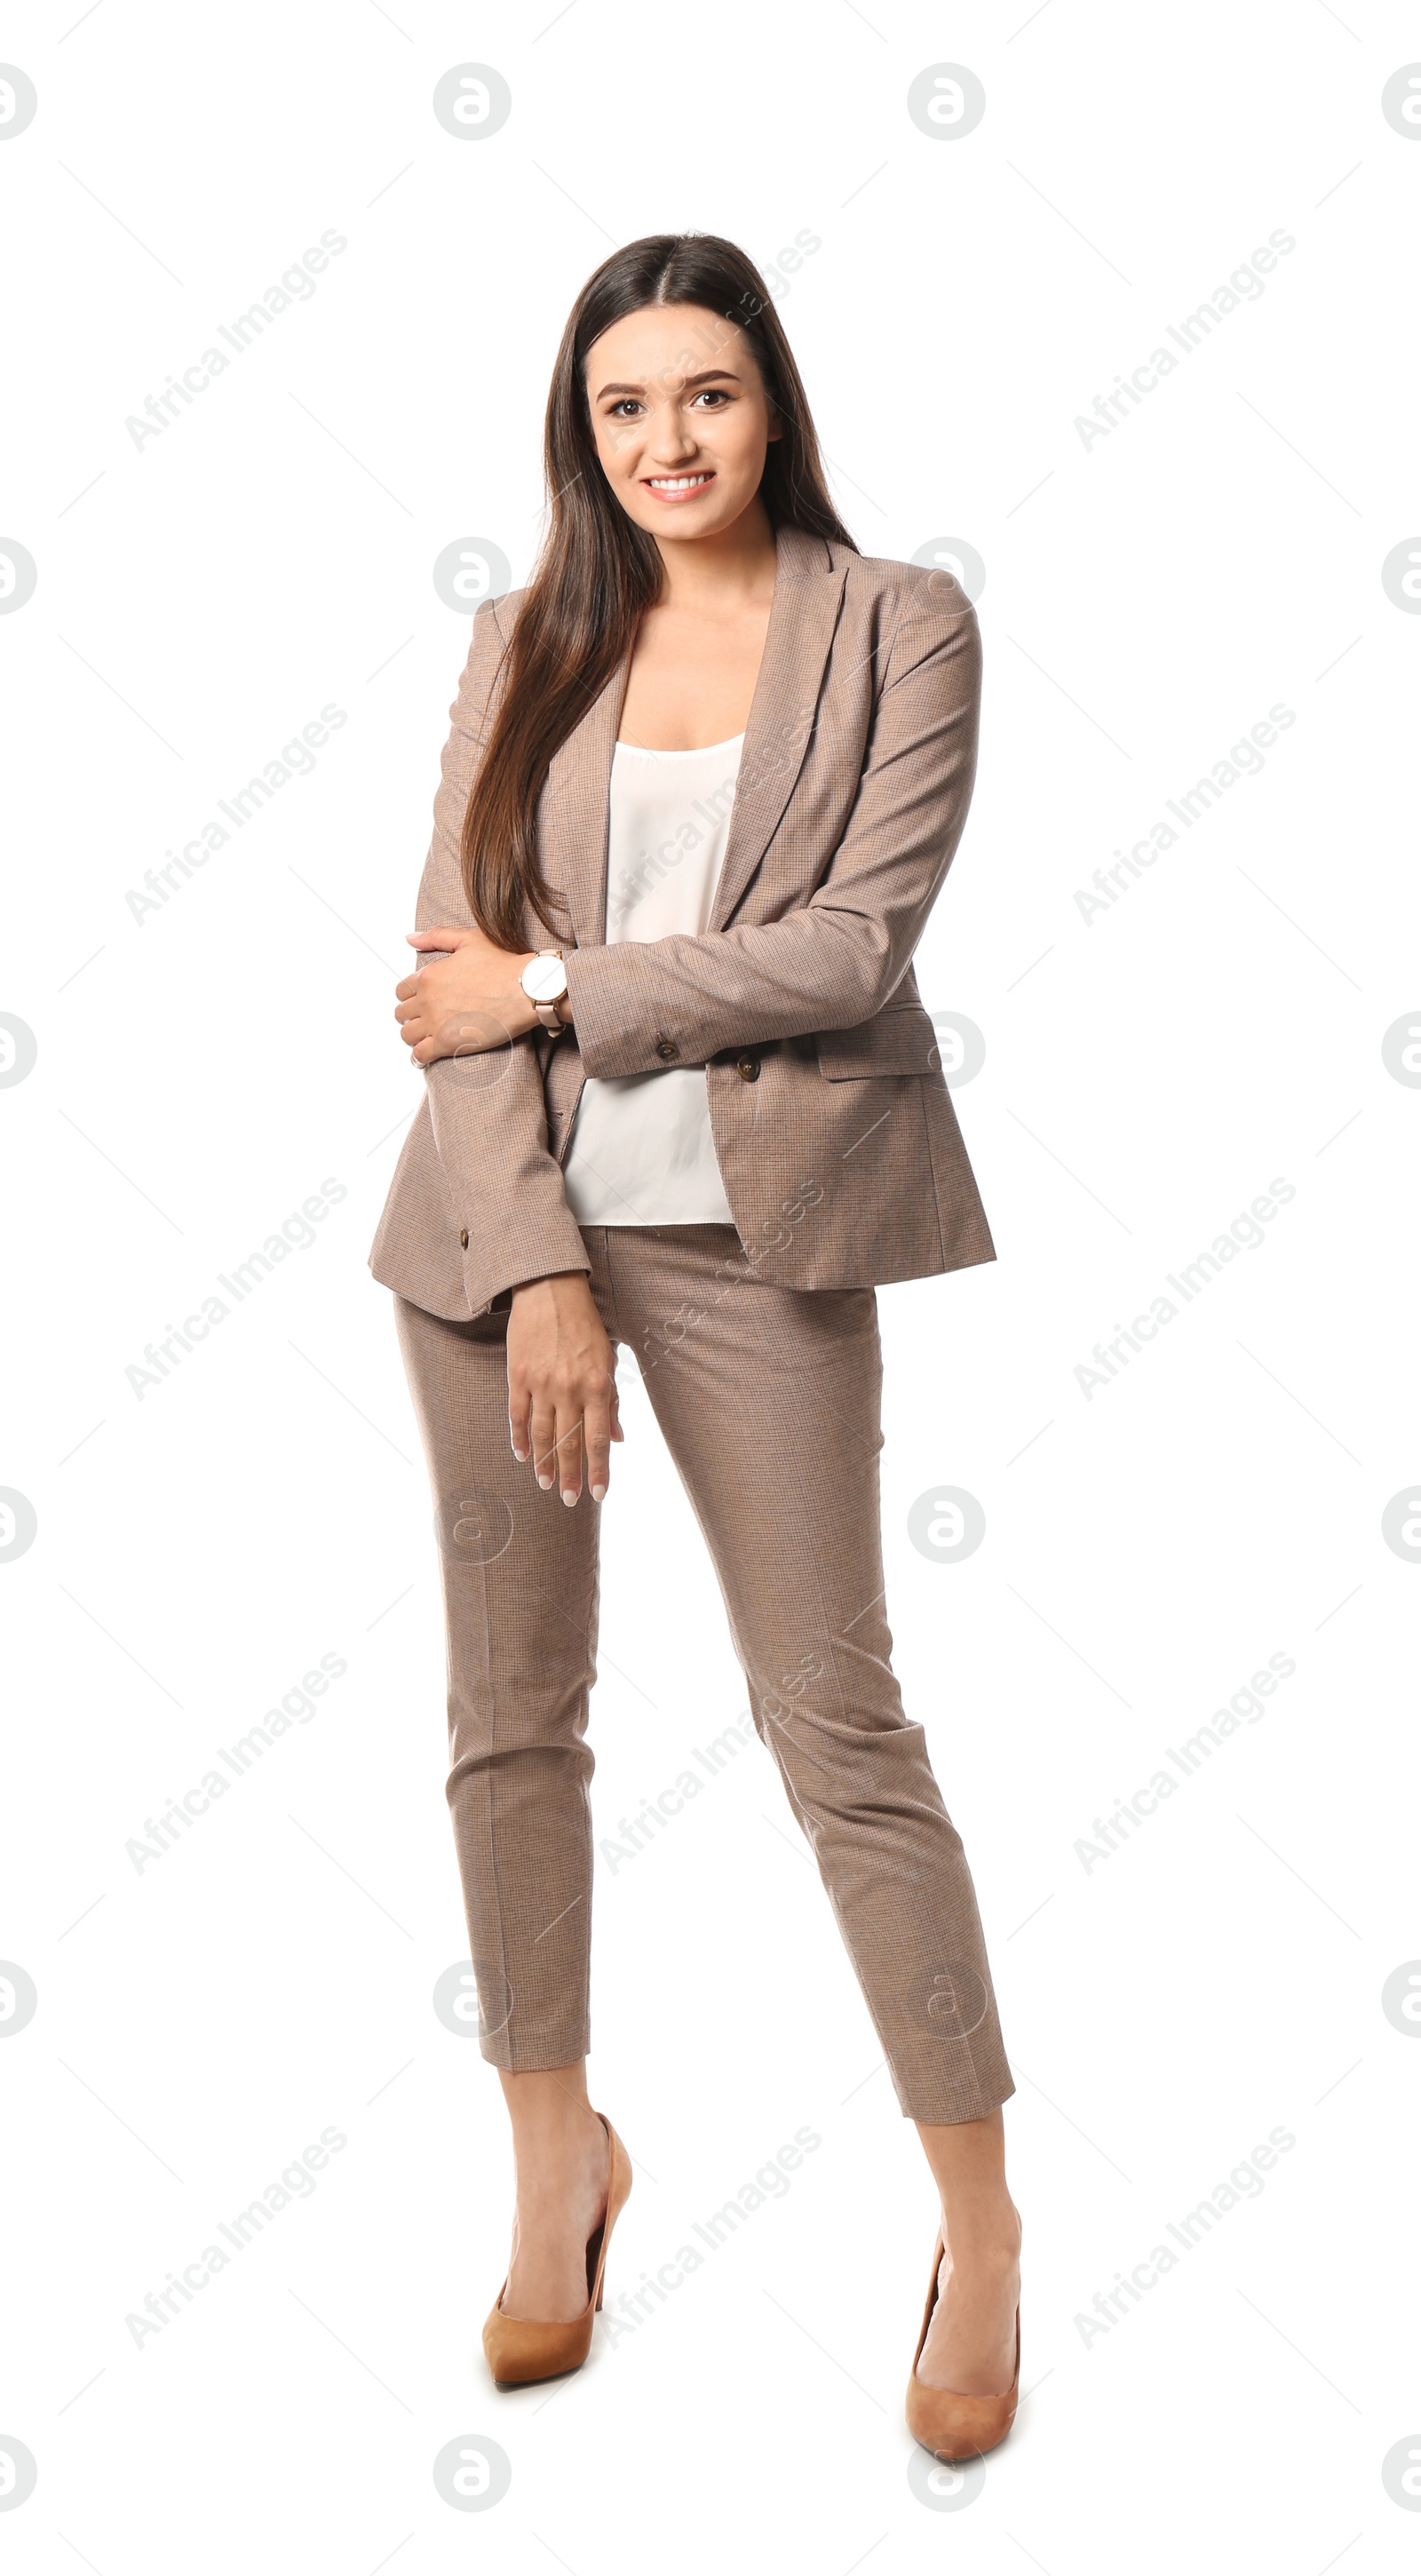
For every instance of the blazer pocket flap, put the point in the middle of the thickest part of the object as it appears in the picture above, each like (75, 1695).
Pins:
(899, 1040)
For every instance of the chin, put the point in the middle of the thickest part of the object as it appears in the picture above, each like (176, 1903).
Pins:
(658, 520)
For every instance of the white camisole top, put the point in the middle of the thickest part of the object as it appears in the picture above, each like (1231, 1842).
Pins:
(642, 1152)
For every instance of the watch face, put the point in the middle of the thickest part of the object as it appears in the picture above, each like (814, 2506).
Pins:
(544, 979)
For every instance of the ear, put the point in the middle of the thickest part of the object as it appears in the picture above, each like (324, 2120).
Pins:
(776, 427)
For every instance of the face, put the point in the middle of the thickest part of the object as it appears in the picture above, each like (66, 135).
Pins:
(681, 418)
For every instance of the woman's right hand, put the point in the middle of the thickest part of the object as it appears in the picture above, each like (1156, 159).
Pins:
(562, 1388)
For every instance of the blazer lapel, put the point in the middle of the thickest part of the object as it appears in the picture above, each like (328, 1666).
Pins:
(803, 616)
(573, 811)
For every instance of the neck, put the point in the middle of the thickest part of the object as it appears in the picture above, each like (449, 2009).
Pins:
(723, 572)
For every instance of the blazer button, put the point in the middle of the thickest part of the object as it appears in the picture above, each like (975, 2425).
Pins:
(748, 1067)
(666, 1048)
(464, 1238)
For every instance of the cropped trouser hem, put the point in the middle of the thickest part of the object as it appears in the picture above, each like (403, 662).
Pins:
(947, 2107)
(768, 1398)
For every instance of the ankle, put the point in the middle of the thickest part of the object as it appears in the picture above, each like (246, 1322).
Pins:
(548, 2104)
(544, 2165)
(982, 2234)
(546, 2185)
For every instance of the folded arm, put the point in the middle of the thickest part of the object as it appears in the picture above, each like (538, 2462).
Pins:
(836, 961)
(488, 1110)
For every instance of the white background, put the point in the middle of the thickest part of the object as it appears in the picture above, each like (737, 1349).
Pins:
(200, 1072)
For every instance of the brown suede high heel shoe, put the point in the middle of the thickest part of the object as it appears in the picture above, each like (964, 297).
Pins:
(949, 2425)
(519, 2350)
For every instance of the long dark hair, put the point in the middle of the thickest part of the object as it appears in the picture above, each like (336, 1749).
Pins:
(597, 570)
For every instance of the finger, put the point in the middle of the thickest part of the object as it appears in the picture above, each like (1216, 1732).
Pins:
(407, 988)
(445, 938)
(570, 1448)
(543, 1430)
(597, 1434)
(520, 1404)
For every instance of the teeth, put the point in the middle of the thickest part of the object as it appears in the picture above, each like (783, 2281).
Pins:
(678, 482)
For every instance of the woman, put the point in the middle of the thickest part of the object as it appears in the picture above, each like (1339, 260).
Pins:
(705, 779)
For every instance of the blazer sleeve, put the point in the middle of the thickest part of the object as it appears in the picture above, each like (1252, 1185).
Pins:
(489, 1112)
(836, 960)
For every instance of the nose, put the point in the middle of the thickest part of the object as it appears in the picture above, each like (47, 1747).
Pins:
(673, 438)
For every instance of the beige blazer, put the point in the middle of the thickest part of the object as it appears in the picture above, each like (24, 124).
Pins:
(835, 1132)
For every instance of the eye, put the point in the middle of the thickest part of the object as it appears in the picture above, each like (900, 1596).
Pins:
(620, 409)
(713, 393)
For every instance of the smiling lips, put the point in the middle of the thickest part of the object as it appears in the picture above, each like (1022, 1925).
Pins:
(677, 487)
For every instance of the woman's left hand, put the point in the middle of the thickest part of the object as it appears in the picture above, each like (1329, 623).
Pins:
(464, 1003)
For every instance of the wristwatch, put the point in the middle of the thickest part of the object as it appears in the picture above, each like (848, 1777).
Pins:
(544, 980)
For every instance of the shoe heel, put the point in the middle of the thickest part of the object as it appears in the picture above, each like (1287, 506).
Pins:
(951, 2426)
(519, 2350)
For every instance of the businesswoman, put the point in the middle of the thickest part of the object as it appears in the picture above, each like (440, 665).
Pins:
(705, 778)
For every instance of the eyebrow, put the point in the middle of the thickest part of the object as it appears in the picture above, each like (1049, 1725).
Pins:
(707, 376)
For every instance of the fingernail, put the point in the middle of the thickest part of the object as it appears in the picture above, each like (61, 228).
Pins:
(568, 1498)
(597, 1493)
(546, 1483)
(519, 1454)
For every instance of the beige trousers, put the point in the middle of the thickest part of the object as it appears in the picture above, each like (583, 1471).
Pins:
(768, 1398)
